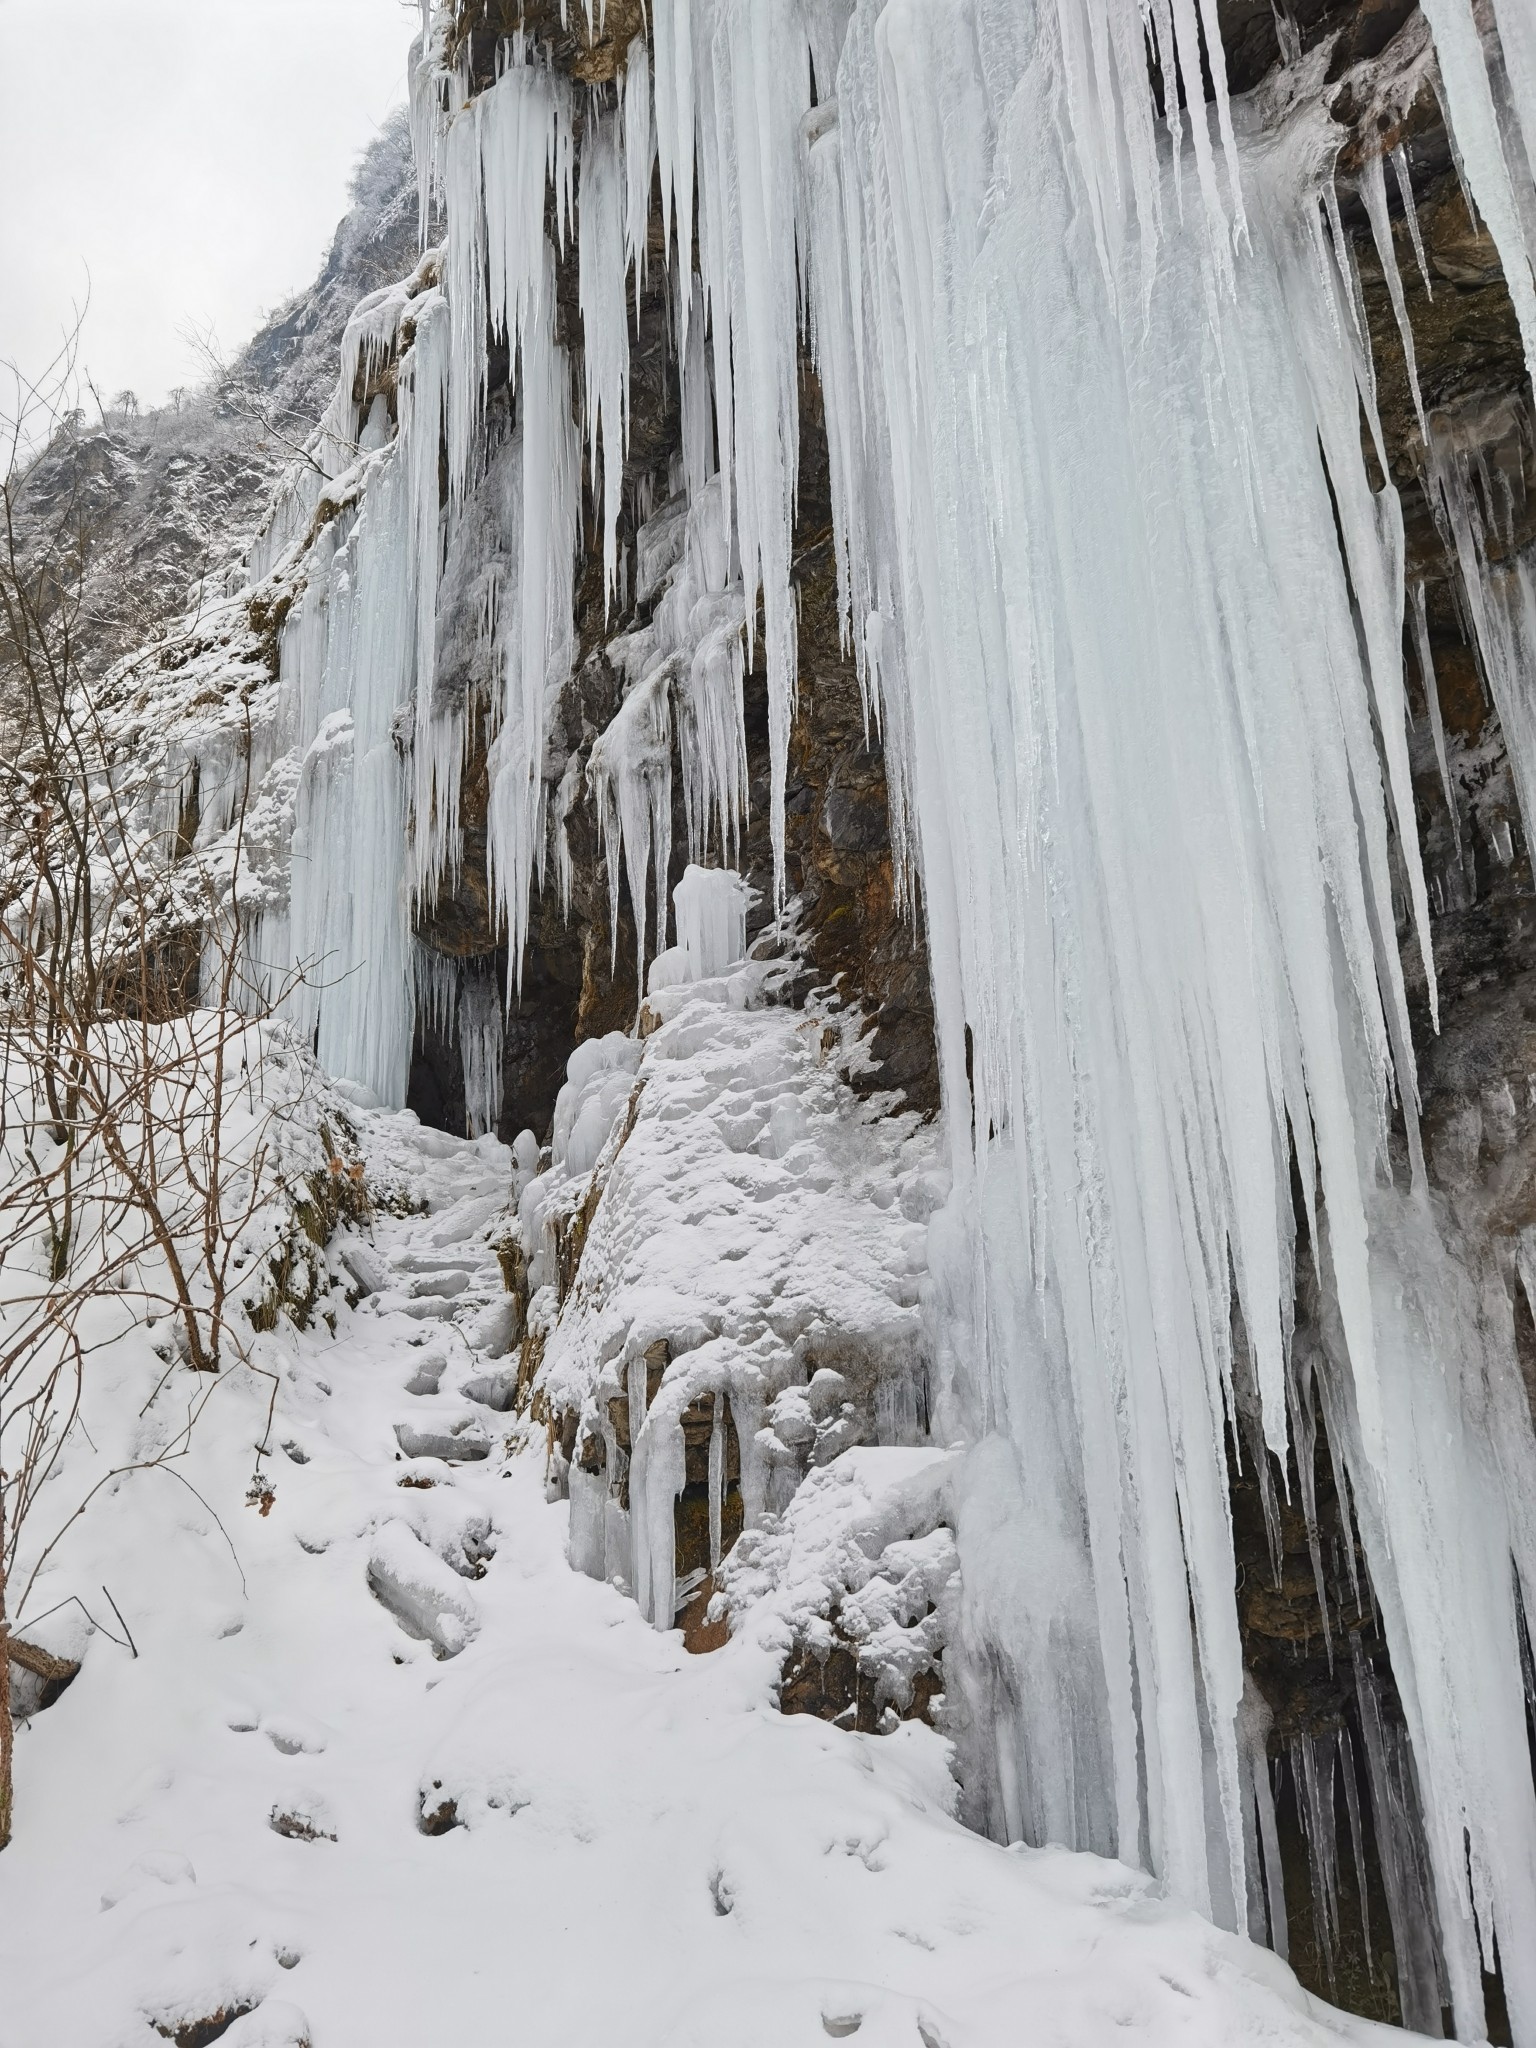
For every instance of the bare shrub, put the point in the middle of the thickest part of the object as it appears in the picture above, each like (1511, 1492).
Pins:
(136, 1116)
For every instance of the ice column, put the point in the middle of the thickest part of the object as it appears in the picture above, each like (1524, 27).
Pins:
(711, 906)
(357, 657)
(602, 262)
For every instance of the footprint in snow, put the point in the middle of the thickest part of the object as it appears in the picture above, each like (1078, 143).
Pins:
(458, 1443)
(292, 1735)
(162, 1867)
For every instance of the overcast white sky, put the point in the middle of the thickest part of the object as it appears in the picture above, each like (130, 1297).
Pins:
(189, 157)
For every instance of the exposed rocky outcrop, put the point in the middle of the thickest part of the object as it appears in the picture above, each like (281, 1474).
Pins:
(591, 44)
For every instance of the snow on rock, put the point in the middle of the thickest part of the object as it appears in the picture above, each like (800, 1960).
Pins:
(327, 1834)
(420, 1591)
(275, 2023)
(722, 1222)
(862, 1561)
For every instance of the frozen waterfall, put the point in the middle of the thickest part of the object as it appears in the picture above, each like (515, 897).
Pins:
(1129, 606)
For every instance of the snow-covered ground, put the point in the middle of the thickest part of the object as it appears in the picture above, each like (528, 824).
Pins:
(622, 1842)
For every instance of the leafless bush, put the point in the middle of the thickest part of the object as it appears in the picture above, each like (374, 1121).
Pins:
(237, 387)
(134, 1121)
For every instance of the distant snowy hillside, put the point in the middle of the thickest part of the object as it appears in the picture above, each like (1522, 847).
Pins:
(168, 499)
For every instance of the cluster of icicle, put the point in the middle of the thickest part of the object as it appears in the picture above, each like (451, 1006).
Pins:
(685, 674)
(1093, 436)
(380, 559)
(460, 1002)
(1093, 382)
(355, 537)
(1321, 1766)
(379, 753)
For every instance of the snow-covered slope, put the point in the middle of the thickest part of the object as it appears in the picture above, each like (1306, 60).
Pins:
(379, 1767)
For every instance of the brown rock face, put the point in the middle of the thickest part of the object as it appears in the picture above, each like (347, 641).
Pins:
(595, 57)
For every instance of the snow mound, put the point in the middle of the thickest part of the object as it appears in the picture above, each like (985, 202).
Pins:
(723, 1222)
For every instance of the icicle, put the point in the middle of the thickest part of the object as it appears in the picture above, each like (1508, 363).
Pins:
(1411, 215)
(1398, 1834)
(1420, 619)
(439, 733)
(1274, 1870)
(427, 79)
(565, 798)
(657, 1472)
(1266, 1885)
(1475, 122)
(1356, 1840)
(697, 400)
(639, 1520)
(605, 325)
(639, 161)
(1501, 604)
(1517, 45)
(716, 1480)
(712, 729)
(536, 644)
(480, 1044)
(1373, 189)
(1312, 1762)
(631, 775)
(437, 990)
(672, 28)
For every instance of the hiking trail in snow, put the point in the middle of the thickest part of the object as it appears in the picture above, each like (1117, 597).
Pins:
(386, 1770)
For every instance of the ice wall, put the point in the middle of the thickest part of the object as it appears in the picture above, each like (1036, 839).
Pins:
(1158, 770)
(356, 657)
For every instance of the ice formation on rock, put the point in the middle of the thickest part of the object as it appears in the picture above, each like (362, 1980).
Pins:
(760, 1227)
(357, 654)
(1154, 843)
(711, 906)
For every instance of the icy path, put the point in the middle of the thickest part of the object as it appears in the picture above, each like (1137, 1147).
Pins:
(645, 1851)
